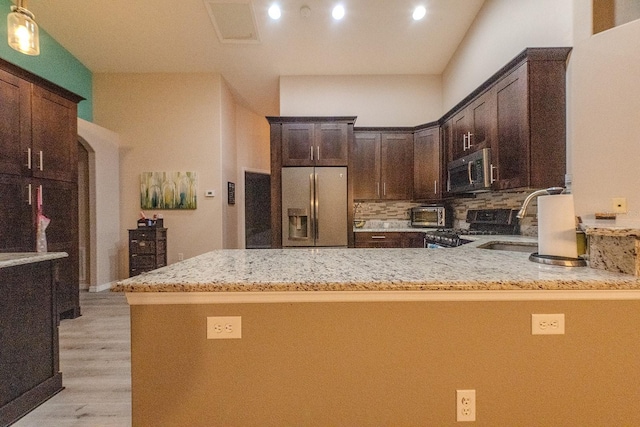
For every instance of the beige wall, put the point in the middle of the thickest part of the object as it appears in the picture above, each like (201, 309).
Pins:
(252, 138)
(167, 122)
(502, 29)
(396, 100)
(228, 166)
(104, 201)
(392, 363)
(603, 116)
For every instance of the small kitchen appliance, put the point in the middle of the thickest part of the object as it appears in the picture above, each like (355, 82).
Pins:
(471, 173)
(429, 216)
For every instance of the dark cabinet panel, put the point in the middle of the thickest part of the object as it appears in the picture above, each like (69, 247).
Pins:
(381, 164)
(54, 136)
(29, 367)
(15, 123)
(427, 165)
(364, 165)
(17, 221)
(473, 127)
(147, 249)
(366, 239)
(314, 144)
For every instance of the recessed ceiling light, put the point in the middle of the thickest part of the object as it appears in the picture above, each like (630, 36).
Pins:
(338, 12)
(419, 13)
(274, 12)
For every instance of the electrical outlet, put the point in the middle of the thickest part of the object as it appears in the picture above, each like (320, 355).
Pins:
(547, 324)
(220, 328)
(465, 405)
(619, 204)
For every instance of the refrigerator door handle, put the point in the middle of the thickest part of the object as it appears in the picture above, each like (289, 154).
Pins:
(312, 212)
(315, 212)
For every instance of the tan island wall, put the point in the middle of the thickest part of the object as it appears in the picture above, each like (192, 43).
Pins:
(391, 363)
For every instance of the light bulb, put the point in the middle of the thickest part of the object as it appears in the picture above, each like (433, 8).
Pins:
(274, 12)
(338, 12)
(419, 13)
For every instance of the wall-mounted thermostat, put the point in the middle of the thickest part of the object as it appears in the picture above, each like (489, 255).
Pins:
(210, 193)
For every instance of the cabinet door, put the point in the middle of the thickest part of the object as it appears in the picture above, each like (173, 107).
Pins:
(15, 122)
(54, 136)
(460, 130)
(16, 225)
(364, 165)
(482, 115)
(412, 240)
(396, 170)
(427, 172)
(60, 205)
(331, 144)
(510, 151)
(297, 144)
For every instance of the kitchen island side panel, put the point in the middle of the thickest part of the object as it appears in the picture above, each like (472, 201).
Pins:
(386, 363)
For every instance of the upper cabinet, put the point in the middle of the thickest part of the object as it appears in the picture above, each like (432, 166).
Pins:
(315, 144)
(520, 114)
(473, 128)
(427, 161)
(381, 165)
(15, 123)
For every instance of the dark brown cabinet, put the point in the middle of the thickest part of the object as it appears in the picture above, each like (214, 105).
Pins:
(366, 239)
(427, 165)
(29, 364)
(472, 128)
(147, 249)
(530, 147)
(38, 130)
(314, 144)
(381, 165)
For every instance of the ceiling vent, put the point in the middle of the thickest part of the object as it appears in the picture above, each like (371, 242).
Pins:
(234, 20)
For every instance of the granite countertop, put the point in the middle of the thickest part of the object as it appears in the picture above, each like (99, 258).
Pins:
(10, 259)
(466, 267)
(387, 226)
(615, 228)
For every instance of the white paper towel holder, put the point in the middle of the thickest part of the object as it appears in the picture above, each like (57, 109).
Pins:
(549, 259)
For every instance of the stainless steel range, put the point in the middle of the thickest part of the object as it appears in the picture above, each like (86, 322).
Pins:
(481, 222)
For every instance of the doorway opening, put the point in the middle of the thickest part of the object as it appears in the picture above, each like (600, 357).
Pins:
(257, 207)
(84, 215)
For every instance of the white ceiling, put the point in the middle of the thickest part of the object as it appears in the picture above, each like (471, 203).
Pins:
(143, 36)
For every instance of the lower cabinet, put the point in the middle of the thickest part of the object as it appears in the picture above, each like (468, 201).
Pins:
(147, 249)
(394, 239)
(29, 364)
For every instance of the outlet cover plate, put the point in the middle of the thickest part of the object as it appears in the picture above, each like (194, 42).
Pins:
(547, 324)
(224, 327)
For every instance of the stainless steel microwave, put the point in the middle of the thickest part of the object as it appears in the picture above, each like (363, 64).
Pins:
(471, 173)
(428, 216)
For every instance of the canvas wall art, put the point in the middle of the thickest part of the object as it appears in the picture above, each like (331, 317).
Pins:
(168, 190)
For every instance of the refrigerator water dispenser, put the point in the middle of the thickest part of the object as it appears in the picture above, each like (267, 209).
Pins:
(298, 224)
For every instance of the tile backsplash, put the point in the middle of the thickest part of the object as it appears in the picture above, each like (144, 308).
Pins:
(492, 200)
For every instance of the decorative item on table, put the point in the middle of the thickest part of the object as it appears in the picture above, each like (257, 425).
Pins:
(42, 222)
(156, 221)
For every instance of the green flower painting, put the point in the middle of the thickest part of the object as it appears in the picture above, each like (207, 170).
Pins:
(168, 190)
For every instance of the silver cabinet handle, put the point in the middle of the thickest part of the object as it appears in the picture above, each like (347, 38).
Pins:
(435, 187)
(492, 169)
(41, 166)
(318, 151)
(384, 188)
(378, 237)
(29, 195)
(29, 158)
(311, 148)
(469, 135)
(464, 142)
(378, 188)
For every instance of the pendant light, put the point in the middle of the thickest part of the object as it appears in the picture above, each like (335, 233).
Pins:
(23, 30)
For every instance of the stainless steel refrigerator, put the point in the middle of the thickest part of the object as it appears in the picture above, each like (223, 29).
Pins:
(314, 206)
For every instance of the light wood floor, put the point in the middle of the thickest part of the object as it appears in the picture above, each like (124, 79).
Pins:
(95, 361)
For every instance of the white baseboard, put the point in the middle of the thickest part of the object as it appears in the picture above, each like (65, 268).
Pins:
(103, 287)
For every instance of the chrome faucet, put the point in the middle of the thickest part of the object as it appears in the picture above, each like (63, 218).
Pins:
(523, 209)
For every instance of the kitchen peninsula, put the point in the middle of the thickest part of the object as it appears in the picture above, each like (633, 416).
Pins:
(371, 337)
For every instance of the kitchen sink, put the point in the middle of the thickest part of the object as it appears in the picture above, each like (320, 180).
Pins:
(528, 247)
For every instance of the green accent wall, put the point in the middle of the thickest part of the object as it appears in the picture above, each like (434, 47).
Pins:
(54, 63)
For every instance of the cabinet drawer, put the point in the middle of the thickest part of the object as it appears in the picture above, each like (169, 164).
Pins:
(378, 240)
(142, 247)
(142, 261)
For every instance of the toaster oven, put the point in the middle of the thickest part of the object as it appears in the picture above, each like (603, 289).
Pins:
(428, 216)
